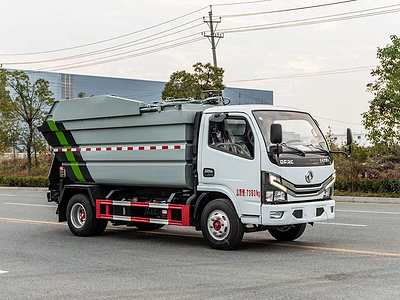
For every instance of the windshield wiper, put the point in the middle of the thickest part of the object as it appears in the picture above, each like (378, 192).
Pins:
(319, 149)
(296, 150)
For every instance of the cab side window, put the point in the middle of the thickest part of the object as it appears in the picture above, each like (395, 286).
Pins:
(232, 135)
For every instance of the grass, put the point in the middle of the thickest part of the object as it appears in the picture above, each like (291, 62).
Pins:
(362, 194)
(18, 167)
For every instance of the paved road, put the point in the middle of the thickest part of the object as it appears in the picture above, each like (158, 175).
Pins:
(355, 256)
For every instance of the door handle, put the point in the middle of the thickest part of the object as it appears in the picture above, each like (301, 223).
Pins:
(208, 172)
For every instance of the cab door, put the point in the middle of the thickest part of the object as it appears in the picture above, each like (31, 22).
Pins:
(229, 160)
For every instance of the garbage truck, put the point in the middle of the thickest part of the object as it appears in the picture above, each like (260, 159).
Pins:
(223, 169)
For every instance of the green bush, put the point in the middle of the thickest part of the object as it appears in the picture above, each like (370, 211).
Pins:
(366, 185)
(24, 181)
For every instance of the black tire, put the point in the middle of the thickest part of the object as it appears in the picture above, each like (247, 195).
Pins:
(147, 226)
(81, 216)
(287, 233)
(101, 226)
(221, 226)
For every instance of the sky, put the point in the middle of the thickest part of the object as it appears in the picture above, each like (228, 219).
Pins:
(315, 55)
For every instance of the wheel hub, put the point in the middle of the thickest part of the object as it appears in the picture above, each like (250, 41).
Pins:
(78, 215)
(82, 216)
(218, 225)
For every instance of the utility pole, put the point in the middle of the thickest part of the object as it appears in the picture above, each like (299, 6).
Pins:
(213, 35)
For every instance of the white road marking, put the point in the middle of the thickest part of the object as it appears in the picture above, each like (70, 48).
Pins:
(27, 204)
(7, 195)
(3, 272)
(342, 224)
(370, 212)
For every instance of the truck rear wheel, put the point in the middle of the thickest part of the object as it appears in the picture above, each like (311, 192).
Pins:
(287, 233)
(221, 226)
(101, 226)
(81, 217)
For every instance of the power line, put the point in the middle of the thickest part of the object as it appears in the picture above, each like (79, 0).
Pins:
(315, 20)
(82, 64)
(120, 56)
(339, 121)
(299, 75)
(107, 40)
(110, 56)
(285, 10)
(240, 3)
(130, 44)
(154, 46)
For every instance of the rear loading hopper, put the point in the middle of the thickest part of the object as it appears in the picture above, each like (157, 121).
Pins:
(115, 141)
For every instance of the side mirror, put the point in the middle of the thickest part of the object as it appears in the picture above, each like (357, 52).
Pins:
(349, 137)
(347, 148)
(276, 133)
(349, 141)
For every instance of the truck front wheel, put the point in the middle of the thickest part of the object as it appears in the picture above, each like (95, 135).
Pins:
(81, 217)
(287, 233)
(221, 226)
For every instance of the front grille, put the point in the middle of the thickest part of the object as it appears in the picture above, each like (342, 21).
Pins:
(297, 190)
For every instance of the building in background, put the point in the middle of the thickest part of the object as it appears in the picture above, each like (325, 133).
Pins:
(68, 86)
(359, 137)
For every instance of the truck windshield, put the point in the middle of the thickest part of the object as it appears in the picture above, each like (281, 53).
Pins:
(300, 133)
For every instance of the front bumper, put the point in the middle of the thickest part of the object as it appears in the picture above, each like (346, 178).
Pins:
(297, 213)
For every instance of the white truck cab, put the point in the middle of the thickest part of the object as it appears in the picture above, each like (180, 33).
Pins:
(268, 184)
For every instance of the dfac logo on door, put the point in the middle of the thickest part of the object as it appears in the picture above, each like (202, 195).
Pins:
(286, 161)
(309, 176)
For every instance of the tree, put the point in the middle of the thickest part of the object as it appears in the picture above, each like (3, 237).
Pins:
(81, 95)
(185, 85)
(382, 120)
(27, 102)
(4, 125)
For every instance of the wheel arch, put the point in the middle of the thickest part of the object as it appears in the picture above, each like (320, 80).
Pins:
(92, 191)
(203, 200)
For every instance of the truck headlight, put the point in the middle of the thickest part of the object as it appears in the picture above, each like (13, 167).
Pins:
(273, 189)
(280, 196)
(275, 196)
(276, 182)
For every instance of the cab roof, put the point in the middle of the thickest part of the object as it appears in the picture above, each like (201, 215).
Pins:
(249, 108)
